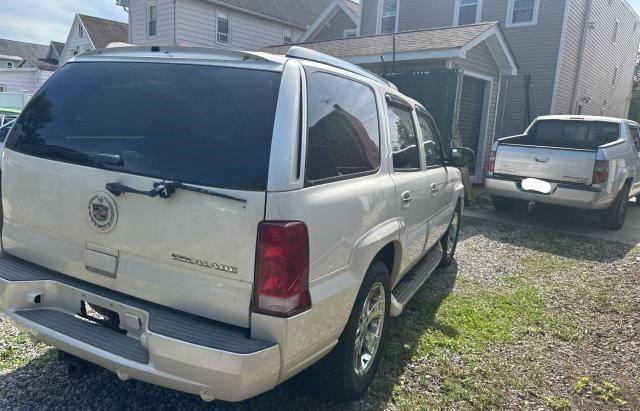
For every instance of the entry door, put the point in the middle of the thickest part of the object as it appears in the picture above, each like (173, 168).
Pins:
(412, 190)
(471, 113)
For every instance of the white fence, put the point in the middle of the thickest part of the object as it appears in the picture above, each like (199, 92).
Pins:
(14, 100)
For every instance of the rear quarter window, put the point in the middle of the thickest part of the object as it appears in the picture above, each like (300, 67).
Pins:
(196, 124)
(344, 133)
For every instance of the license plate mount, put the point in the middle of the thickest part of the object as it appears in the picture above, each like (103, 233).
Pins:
(536, 186)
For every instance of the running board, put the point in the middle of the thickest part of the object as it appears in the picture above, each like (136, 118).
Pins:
(411, 283)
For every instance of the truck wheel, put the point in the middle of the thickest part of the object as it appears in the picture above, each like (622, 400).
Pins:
(503, 203)
(450, 240)
(614, 217)
(349, 369)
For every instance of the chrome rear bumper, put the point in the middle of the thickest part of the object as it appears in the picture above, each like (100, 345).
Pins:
(563, 195)
(161, 346)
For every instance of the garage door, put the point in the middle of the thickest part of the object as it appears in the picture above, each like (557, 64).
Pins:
(471, 110)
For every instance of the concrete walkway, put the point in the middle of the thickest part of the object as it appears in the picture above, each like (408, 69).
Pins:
(562, 219)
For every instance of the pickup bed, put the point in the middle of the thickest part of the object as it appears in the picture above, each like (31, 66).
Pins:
(590, 163)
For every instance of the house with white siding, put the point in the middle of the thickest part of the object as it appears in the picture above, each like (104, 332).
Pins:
(89, 33)
(238, 24)
(574, 57)
(24, 67)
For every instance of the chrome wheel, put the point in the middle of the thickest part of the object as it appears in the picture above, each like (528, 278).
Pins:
(369, 330)
(453, 234)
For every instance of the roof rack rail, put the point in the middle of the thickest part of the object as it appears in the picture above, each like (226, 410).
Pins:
(312, 55)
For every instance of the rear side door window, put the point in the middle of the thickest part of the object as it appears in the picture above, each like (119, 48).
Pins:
(344, 130)
(432, 147)
(404, 139)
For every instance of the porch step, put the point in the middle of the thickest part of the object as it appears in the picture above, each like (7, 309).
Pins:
(95, 335)
(411, 283)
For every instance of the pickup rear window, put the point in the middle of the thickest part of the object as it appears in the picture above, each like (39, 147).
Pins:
(577, 134)
(203, 125)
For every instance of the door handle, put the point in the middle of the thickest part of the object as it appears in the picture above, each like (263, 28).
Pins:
(406, 198)
(434, 188)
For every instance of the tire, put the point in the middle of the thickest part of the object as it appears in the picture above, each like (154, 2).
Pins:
(449, 241)
(638, 200)
(337, 372)
(503, 203)
(614, 217)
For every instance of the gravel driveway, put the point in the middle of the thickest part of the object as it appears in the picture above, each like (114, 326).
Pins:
(525, 319)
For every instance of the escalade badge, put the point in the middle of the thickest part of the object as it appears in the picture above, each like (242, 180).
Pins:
(103, 213)
(205, 264)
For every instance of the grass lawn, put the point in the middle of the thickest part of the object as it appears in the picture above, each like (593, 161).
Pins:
(525, 319)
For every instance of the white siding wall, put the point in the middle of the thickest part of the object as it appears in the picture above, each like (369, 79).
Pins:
(18, 80)
(138, 23)
(43, 76)
(602, 56)
(196, 26)
(570, 57)
(75, 43)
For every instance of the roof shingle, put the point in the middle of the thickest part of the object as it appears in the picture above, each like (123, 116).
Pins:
(421, 40)
(298, 12)
(104, 32)
(35, 54)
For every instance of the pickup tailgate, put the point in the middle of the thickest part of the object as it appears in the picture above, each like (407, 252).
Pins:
(550, 164)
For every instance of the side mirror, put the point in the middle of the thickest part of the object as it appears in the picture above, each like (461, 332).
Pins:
(461, 157)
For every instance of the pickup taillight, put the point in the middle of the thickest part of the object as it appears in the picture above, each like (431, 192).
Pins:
(601, 172)
(491, 162)
(282, 269)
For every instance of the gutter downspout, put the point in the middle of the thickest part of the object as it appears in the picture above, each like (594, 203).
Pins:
(175, 42)
(583, 46)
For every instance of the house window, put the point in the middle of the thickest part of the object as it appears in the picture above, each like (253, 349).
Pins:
(152, 16)
(287, 34)
(615, 77)
(9, 64)
(80, 31)
(2, 88)
(222, 20)
(522, 12)
(467, 12)
(616, 26)
(389, 17)
(351, 33)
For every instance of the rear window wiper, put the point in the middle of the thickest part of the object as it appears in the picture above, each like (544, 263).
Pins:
(165, 189)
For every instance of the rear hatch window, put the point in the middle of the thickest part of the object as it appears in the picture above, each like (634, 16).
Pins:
(202, 125)
(577, 134)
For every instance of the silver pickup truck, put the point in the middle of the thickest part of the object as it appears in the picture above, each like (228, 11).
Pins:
(590, 163)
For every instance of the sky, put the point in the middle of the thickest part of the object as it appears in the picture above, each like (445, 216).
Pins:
(40, 21)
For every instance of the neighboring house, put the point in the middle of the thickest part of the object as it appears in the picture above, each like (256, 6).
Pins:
(89, 33)
(238, 24)
(338, 20)
(575, 56)
(456, 74)
(24, 67)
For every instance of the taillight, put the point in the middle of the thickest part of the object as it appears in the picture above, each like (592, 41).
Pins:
(282, 269)
(601, 172)
(491, 162)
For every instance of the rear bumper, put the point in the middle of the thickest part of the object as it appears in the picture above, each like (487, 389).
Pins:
(162, 347)
(586, 197)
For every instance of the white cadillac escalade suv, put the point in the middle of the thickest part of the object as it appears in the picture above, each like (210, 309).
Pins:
(216, 222)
